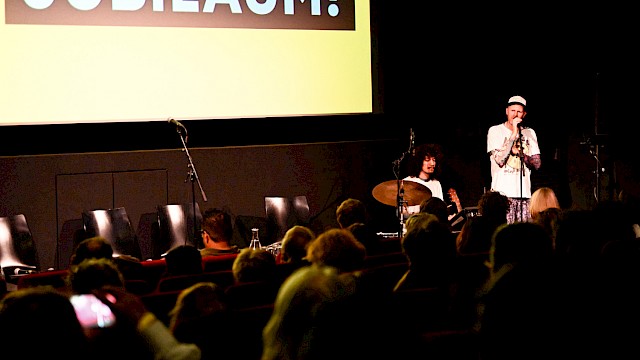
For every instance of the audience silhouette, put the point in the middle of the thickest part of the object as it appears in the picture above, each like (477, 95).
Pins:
(338, 248)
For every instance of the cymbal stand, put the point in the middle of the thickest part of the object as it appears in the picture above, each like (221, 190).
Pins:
(401, 203)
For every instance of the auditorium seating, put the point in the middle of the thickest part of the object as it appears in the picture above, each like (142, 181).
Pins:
(222, 278)
(55, 278)
(18, 253)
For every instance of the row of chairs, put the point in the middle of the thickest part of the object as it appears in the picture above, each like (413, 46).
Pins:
(172, 225)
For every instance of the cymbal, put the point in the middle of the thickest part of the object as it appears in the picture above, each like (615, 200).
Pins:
(414, 193)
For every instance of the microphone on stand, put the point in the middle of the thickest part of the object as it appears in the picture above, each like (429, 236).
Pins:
(178, 124)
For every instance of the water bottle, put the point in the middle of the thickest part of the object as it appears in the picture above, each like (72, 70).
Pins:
(255, 239)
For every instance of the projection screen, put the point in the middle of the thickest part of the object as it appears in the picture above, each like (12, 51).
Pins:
(97, 61)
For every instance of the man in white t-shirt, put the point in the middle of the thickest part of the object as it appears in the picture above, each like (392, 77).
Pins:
(425, 169)
(514, 152)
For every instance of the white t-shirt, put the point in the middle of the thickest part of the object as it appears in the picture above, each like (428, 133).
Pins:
(433, 185)
(506, 179)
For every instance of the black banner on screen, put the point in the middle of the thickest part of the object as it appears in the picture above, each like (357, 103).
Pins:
(251, 14)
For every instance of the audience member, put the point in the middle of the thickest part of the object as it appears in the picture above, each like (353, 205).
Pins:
(321, 313)
(437, 207)
(351, 211)
(94, 273)
(98, 247)
(338, 248)
(200, 316)
(253, 265)
(183, 260)
(295, 243)
(156, 336)
(40, 323)
(549, 219)
(431, 252)
(352, 215)
(541, 199)
(477, 231)
(293, 252)
(522, 313)
(217, 232)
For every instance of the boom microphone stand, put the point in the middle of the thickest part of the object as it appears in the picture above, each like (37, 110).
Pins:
(192, 175)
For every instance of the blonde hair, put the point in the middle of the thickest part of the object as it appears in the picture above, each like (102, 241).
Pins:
(542, 199)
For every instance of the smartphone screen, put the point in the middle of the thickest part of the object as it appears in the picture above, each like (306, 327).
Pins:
(91, 312)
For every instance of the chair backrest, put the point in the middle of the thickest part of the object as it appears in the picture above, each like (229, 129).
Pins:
(250, 294)
(283, 213)
(177, 225)
(115, 226)
(222, 278)
(18, 253)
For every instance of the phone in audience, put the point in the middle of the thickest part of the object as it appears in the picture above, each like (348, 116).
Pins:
(91, 312)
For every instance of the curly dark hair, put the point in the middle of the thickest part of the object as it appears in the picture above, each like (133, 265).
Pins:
(421, 152)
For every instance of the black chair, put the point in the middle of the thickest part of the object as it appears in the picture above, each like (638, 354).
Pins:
(18, 254)
(115, 226)
(282, 214)
(176, 227)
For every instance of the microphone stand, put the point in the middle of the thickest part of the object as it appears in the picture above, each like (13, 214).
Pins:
(400, 202)
(192, 176)
(521, 156)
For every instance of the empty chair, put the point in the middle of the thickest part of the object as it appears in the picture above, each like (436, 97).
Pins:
(178, 224)
(283, 213)
(115, 226)
(18, 255)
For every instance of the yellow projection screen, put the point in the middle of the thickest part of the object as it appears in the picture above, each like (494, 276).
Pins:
(98, 61)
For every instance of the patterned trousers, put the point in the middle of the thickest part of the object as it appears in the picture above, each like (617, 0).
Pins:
(518, 210)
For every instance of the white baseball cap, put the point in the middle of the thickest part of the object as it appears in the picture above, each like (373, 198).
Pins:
(517, 100)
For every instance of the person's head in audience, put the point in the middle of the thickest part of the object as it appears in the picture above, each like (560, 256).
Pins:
(476, 233)
(430, 250)
(522, 305)
(93, 274)
(366, 235)
(200, 316)
(338, 248)
(541, 199)
(198, 300)
(351, 211)
(550, 220)
(520, 244)
(40, 323)
(137, 331)
(494, 205)
(253, 265)
(217, 231)
(96, 247)
(436, 206)
(320, 314)
(294, 244)
(183, 260)
(352, 215)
